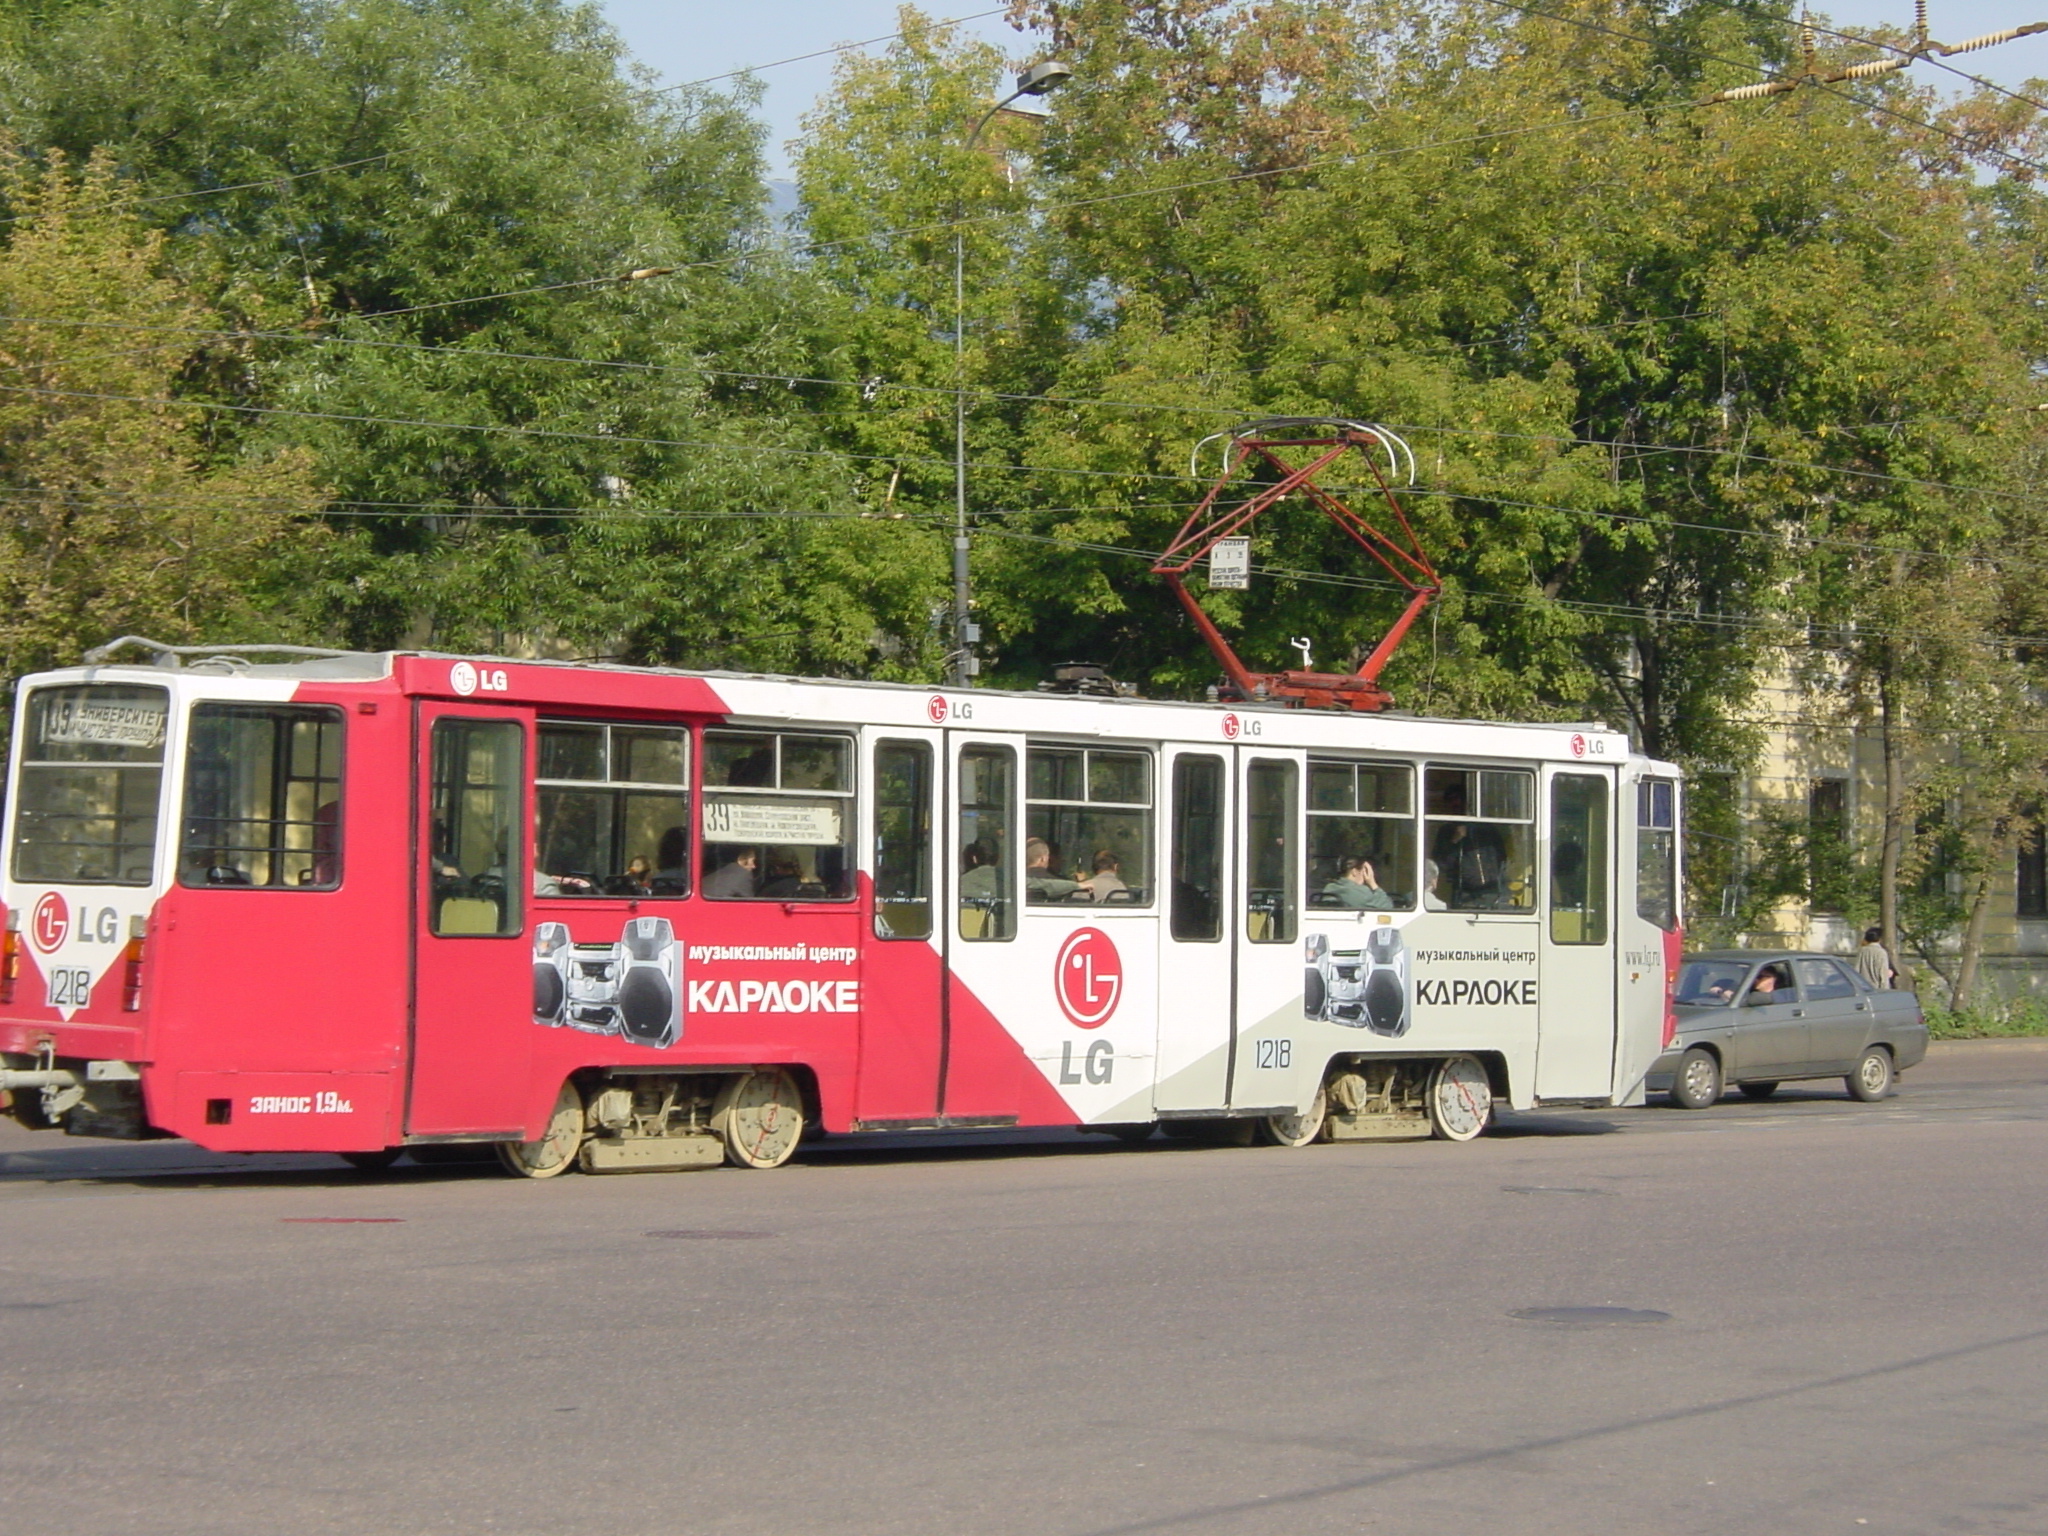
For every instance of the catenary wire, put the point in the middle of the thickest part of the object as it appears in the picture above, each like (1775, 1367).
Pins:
(825, 53)
(1636, 450)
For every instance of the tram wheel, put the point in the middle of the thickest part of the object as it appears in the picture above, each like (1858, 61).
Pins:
(761, 1118)
(1460, 1099)
(371, 1162)
(1299, 1130)
(555, 1152)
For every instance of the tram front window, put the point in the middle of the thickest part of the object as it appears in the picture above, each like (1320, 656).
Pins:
(91, 776)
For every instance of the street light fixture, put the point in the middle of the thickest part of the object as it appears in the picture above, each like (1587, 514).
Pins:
(1046, 75)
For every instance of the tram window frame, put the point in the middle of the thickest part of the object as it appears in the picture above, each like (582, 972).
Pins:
(987, 826)
(88, 762)
(292, 843)
(1587, 919)
(1657, 852)
(1197, 859)
(612, 785)
(1491, 796)
(1089, 820)
(457, 890)
(1273, 908)
(1332, 842)
(904, 831)
(804, 879)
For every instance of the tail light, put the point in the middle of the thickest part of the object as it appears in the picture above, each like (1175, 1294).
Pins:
(10, 957)
(131, 966)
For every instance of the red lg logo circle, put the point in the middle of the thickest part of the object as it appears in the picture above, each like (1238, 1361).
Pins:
(936, 708)
(1578, 745)
(1089, 977)
(1230, 727)
(52, 921)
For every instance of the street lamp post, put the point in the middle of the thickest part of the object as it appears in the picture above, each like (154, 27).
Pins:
(963, 665)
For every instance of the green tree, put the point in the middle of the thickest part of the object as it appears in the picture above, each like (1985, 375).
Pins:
(419, 211)
(118, 514)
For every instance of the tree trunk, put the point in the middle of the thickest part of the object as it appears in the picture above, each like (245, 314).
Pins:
(1973, 942)
(1891, 736)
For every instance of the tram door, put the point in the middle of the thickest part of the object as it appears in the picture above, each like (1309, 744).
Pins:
(903, 974)
(1575, 950)
(1267, 940)
(981, 1065)
(473, 973)
(1195, 970)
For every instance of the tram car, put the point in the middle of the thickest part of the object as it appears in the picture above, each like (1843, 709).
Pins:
(619, 918)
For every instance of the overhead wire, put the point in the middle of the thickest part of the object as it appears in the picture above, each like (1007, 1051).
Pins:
(1636, 450)
(824, 53)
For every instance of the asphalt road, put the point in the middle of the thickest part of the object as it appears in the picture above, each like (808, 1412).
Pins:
(1833, 1318)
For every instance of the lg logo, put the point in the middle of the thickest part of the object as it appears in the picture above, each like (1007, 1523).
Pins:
(466, 679)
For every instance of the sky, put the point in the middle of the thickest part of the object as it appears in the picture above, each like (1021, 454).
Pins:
(682, 40)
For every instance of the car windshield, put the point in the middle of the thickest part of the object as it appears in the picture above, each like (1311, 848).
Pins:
(1710, 983)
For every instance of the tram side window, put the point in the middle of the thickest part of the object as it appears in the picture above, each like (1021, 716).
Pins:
(1272, 852)
(1578, 859)
(1482, 846)
(1092, 808)
(92, 771)
(987, 827)
(778, 816)
(903, 840)
(1657, 852)
(263, 797)
(611, 810)
(475, 786)
(1196, 894)
(1361, 811)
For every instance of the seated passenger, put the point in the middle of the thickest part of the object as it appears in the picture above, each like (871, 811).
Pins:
(1108, 878)
(980, 884)
(1431, 900)
(735, 880)
(783, 878)
(671, 875)
(1040, 883)
(1358, 887)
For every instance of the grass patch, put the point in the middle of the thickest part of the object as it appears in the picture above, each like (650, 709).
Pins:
(2002, 1019)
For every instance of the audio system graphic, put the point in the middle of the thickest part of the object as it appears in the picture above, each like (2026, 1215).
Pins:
(632, 988)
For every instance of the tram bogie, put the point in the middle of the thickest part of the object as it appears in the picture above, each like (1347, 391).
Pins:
(616, 919)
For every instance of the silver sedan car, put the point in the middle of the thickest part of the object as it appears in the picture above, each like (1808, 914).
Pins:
(1758, 1018)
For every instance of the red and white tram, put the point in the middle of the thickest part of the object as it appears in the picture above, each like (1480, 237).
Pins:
(632, 918)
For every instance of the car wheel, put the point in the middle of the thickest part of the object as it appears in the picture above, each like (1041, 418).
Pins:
(1757, 1091)
(1697, 1082)
(1872, 1079)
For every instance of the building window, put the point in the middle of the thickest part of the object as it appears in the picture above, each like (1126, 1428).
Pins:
(1829, 869)
(2030, 884)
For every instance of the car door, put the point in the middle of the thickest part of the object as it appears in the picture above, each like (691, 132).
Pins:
(1770, 1028)
(1838, 1014)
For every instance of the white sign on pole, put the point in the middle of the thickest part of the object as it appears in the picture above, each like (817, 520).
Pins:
(1230, 564)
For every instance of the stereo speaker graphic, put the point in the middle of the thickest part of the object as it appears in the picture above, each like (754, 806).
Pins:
(632, 988)
(1362, 988)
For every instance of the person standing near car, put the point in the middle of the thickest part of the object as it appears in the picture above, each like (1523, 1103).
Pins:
(1874, 962)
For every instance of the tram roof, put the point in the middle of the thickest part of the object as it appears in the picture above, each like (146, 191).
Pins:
(744, 695)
